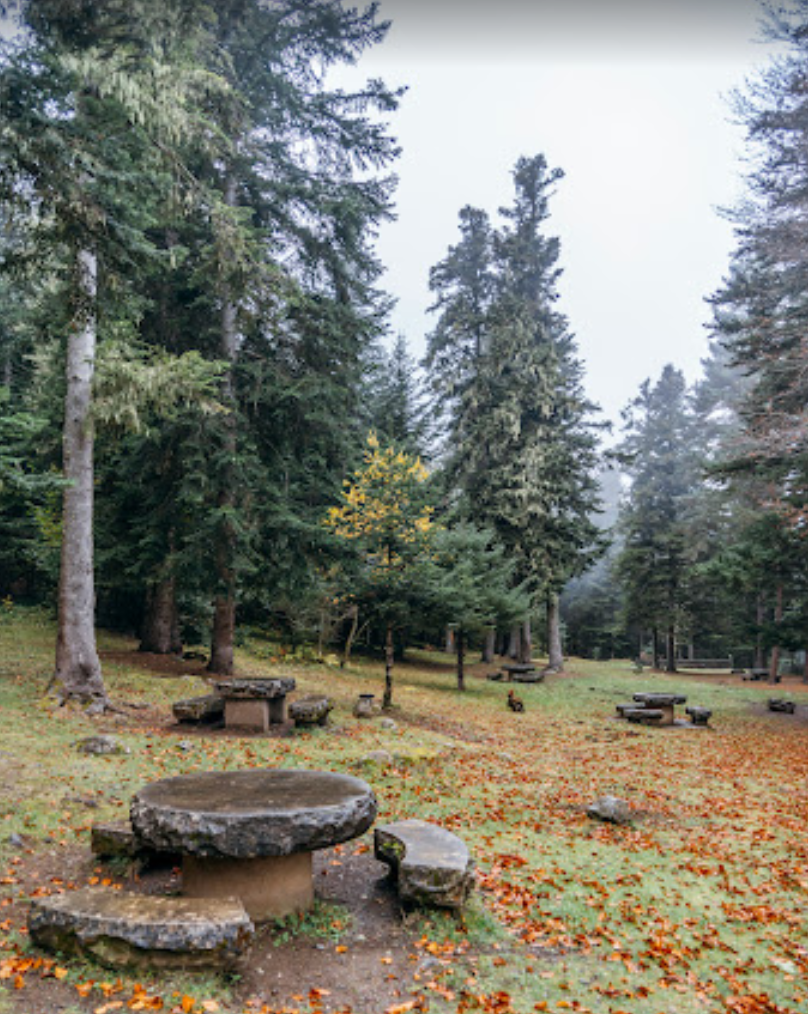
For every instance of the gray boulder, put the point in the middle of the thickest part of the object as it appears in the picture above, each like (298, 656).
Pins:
(611, 809)
(100, 746)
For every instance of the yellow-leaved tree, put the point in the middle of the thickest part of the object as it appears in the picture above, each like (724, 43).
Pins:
(385, 513)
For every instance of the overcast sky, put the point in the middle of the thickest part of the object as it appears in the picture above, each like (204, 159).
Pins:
(629, 99)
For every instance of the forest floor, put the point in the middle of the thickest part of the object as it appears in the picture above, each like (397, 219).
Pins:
(700, 904)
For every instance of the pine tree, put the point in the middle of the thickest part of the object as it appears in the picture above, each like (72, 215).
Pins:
(396, 410)
(294, 204)
(656, 452)
(760, 315)
(78, 179)
(523, 450)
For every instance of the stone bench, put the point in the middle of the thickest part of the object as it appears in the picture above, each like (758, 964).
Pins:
(645, 716)
(431, 866)
(199, 710)
(116, 839)
(311, 710)
(120, 929)
(699, 716)
(782, 704)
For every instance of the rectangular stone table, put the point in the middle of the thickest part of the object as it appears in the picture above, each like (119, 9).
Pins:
(254, 702)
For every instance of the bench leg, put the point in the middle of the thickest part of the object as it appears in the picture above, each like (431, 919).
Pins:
(268, 887)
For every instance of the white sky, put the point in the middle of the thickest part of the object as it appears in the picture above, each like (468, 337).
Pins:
(629, 99)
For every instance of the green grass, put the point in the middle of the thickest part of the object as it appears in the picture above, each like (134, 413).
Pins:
(700, 905)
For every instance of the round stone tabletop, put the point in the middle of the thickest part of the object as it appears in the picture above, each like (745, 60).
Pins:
(248, 814)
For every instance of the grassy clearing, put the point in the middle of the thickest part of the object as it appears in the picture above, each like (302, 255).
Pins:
(698, 906)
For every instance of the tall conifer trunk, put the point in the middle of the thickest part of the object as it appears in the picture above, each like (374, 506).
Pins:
(78, 670)
(774, 663)
(526, 643)
(670, 650)
(489, 643)
(161, 625)
(460, 650)
(555, 654)
(514, 643)
(224, 605)
(387, 699)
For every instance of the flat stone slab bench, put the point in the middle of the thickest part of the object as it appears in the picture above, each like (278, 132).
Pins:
(782, 704)
(432, 866)
(644, 716)
(208, 708)
(120, 929)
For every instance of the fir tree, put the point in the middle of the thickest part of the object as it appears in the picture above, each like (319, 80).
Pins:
(523, 450)
(656, 452)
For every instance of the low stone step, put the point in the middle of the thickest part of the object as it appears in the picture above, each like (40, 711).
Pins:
(432, 866)
(121, 929)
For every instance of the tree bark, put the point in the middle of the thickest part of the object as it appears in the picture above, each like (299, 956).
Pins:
(460, 650)
(555, 653)
(161, 621)
(78, 669)
(525, 643)
(760, 659)
(670, 650)
(224, 606)
(774, 663)
(489, 643)
(655, 649)
(514, 643)
(387, 700)
(354, 614)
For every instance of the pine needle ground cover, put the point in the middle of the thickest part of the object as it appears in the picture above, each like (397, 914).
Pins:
(698, 905)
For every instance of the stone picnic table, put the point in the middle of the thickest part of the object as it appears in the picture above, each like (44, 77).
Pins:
(251, 834)
(659, 706)
(252, 702)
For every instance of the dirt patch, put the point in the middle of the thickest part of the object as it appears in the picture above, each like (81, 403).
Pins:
(171, 666)
(363, 956)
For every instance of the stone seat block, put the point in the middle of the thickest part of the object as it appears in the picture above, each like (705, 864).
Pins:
(432, 866)
(644, 716)
(120, 929)
(204, 709)
(529, 676)
(699, 716)
(116, 839)
(782, 704)
(311, 710)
